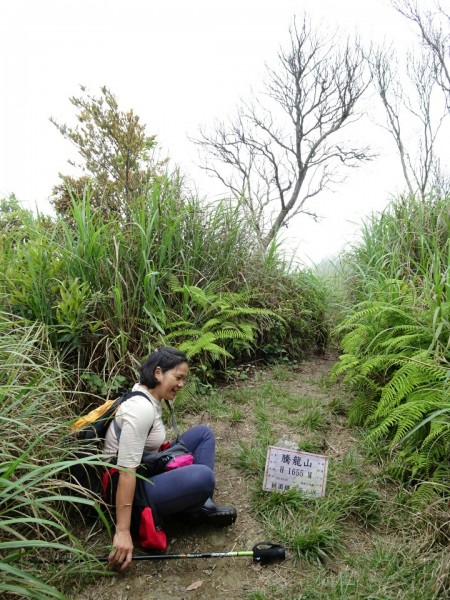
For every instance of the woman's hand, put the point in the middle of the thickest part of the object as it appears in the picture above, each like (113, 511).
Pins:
(122, 552)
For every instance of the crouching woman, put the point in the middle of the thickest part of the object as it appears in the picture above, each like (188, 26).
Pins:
(138, 427)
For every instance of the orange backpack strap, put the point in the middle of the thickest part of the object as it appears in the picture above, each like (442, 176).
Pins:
(95, 424)
(93, 415)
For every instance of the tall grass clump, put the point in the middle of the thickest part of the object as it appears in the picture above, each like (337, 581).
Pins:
(176, 271)
(395, 338)
(35, 518)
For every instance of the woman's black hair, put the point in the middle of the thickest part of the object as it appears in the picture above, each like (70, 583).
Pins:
(166, 359)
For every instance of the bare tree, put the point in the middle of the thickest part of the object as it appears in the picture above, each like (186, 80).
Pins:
(434, 29)
(412, 117)
(286, 147)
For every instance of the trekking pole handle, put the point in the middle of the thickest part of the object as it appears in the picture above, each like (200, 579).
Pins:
(265, 553)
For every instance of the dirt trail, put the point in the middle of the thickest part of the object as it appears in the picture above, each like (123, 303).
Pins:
(225, 578)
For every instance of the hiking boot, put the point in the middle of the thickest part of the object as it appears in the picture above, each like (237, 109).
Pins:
(214, 514)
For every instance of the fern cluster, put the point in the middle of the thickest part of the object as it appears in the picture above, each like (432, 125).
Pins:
(217, 325)
(396, 347)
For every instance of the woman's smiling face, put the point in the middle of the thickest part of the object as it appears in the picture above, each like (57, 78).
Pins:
(170, 382)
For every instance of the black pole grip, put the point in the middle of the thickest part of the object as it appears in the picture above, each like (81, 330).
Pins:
(265, 553)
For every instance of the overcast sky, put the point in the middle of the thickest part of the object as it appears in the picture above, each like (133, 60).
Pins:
(178, 64)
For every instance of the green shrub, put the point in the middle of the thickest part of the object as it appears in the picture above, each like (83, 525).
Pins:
(178, 270)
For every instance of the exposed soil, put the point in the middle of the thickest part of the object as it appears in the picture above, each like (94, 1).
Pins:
(221, 578)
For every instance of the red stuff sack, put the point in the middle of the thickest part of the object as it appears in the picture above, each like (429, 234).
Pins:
(149, 535)
(146, 526)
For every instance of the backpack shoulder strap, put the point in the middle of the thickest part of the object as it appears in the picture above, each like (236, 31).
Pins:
(127, 395)
(172, 416)
(123, 398)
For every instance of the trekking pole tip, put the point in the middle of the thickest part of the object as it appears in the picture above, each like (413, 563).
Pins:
(265, 553)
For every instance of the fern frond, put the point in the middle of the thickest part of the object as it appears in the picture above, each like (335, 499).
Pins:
(369, 310)
(361, 409)
(344, 363)
(361, 312)
(404, 419)
(410, 341)
(410, 415)
(413, 374)
(199, 296)
(440, 432)
(180, 323)
(233, 334)
(211, 323)
(183, 333)
(425, 494)
(173, 282)
(380, 363)
(246, 311)
(203, 345)
(356, 339)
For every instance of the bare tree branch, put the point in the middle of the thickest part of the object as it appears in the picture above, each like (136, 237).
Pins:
(409, 99)
(287, 146)
(434, 30)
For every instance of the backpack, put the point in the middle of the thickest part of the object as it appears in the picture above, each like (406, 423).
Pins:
(90, 431)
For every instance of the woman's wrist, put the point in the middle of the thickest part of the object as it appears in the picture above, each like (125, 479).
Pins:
(123, 530)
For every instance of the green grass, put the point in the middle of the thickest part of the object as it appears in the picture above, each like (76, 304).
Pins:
(386, 572)
(362, 540)
(282, 373)
(315, 420)
(36, 502)
(237, 416)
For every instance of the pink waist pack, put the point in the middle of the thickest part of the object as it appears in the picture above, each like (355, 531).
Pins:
(175, 456)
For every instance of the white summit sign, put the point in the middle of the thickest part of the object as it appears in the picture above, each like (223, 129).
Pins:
(293, 469)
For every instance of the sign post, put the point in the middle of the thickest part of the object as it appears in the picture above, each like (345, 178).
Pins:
(293, 469)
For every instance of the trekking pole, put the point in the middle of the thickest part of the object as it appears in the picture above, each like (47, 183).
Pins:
(262, 553)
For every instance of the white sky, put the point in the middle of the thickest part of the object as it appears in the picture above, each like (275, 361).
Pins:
(178, 64)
